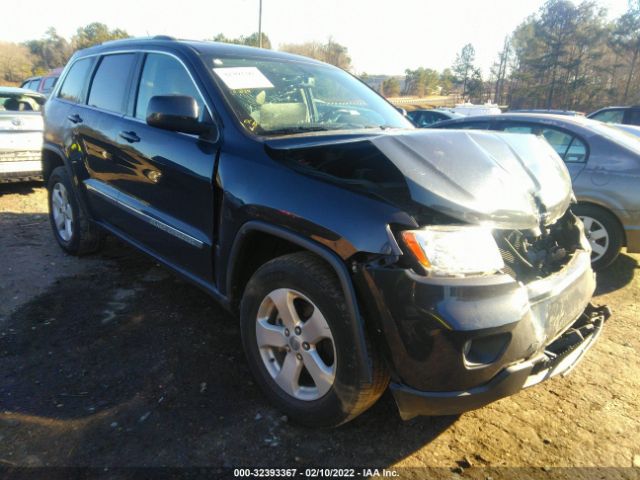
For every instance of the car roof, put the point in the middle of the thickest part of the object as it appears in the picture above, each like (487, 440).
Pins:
(523, 117)
(439, 110)
(578, 124)
(548, 111)
(614, 107)
(199, 47)
(623, 107)
(19, 91)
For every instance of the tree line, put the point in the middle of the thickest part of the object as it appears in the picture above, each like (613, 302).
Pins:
(571, 57)
(35, 57)
(565, 56)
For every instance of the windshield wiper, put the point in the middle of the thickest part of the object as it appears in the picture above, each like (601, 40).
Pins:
(299, 129)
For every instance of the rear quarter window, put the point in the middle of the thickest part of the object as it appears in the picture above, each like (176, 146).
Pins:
(610, 116)
(73, 86)
(48, 84)
(568, 147)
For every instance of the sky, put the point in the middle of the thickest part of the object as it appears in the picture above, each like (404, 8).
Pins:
(383, 37)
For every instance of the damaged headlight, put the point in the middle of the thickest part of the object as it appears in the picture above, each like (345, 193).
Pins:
(455, 250)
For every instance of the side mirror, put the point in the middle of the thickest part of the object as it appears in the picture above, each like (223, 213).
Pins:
(402, 111)
(178, 113)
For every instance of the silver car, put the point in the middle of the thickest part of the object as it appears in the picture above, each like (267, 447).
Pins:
(604, 163)
(21, 130)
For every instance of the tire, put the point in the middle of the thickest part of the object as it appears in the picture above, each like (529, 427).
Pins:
(603, 232)
(312, 291)
(71, 227)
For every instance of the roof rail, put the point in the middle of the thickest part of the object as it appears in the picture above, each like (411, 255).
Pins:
(127, 39)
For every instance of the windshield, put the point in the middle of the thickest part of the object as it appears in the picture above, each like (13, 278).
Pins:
(619, 136)
(278, 97)
(20, 103)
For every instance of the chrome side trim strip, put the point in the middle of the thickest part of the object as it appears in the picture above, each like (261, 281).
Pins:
(110, 196)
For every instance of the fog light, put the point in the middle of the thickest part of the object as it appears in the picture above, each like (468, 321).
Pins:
(483, 351)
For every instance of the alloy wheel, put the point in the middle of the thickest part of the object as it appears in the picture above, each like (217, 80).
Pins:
(597, 235)
(62, 211)
(296, 344)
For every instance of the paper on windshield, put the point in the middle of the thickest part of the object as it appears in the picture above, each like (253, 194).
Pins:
(237, 78)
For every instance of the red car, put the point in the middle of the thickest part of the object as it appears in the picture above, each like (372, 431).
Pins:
(42, 84)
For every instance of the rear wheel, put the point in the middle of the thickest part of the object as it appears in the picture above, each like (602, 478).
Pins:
(603, 232)
(299, 343)
(71, 228)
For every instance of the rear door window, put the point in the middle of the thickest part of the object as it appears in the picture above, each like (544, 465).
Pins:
(560, 141)
(570, 148)
(429, 118)
(424, 119)
(577, 152)
(73, 87)
(110, 85)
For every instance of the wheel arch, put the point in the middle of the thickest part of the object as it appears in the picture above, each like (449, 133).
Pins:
(51, 159)
(279, 241)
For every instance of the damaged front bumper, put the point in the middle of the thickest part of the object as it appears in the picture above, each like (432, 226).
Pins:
(558, 358)
(457, 344)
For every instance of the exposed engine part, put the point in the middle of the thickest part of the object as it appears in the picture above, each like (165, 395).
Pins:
(530, 255)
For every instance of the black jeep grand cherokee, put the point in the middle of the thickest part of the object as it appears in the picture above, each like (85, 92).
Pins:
(360, 253)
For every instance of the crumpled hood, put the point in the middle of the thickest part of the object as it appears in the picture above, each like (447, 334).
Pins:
(503, 180)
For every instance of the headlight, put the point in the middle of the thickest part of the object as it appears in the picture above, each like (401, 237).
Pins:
(455, 250)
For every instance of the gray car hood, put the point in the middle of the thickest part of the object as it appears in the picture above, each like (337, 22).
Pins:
(502, 180)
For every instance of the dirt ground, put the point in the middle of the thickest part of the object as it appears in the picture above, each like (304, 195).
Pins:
(110, 360)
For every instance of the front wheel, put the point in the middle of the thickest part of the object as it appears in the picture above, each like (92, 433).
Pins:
(299, 344)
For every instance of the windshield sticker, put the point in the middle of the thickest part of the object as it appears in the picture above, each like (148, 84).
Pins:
(237, 78)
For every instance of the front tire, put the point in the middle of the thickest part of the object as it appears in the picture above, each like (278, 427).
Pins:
(299, 344)
(71, 227)
(603, 232)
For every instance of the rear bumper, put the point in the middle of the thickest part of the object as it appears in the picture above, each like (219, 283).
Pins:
(15, 173)
(20, 164)
(558, 358)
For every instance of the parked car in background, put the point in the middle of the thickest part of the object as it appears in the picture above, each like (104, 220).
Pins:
(356, 249)
(424, 117)
(571, 113)
(624, 115)
(20, 134)
(472, 110)
(604, 162)
(42, 84)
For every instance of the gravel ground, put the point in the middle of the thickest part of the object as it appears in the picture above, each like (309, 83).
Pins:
(110, 360)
